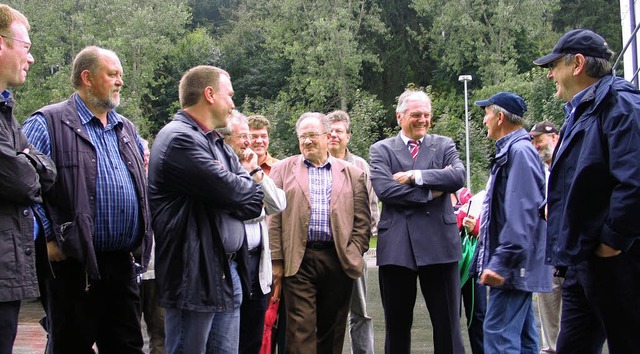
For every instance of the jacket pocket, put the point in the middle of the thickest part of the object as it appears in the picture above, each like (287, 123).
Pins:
(449, 218)
(8, 263)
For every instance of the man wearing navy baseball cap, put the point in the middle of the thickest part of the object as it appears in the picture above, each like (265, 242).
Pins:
(510, 255)
(594, 197)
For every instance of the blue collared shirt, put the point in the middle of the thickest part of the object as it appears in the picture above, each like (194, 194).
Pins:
(117, 213)
(320, 181)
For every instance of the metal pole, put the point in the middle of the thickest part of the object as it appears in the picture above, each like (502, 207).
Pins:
(466, 78)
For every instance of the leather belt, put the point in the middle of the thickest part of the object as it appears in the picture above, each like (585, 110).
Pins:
(320, 245)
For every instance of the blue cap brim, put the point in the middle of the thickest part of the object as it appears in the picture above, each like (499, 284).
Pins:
(548, 59)
(484, 103)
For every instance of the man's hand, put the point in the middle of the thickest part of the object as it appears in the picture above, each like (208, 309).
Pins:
(605, 251)
(278, 272)
(54, 252)
(491, 278)
(403, 177)
(249, 159)
(469, 222)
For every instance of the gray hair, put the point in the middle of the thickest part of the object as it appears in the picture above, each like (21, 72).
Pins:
(410, 95)
(236, 119)
(594, 67)
(512, 118)
(326, 124)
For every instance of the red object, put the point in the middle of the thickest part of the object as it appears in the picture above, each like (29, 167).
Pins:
(270, 318)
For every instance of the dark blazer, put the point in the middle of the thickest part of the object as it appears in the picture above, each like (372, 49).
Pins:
(414, 230)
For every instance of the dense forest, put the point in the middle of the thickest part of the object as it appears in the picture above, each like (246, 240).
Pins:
(290, 56)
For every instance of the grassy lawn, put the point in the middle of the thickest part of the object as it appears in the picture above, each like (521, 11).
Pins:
(373, 242)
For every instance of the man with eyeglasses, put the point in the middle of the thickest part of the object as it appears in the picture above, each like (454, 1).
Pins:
(414, 174)
(258, 258)
(594, 198)
(317, 243)
(259, 128)
(25, 174)
(360, 324)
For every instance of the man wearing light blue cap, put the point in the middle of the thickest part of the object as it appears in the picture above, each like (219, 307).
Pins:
(510, 255)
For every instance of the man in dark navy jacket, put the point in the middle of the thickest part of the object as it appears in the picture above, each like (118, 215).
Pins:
(594, 198)
(413, 174)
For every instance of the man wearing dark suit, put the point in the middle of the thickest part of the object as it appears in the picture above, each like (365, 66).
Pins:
(413, 175)
(317, 243)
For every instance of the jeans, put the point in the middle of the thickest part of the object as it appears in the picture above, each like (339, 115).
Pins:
(509, 324)
(360, 325)
(205, 332)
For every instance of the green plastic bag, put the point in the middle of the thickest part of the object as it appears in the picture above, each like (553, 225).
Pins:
(468, 243)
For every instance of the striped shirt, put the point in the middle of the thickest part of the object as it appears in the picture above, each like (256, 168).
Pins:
(117, 212)
(320, 181)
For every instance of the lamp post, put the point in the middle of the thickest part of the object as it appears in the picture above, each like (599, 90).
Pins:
(465, 79)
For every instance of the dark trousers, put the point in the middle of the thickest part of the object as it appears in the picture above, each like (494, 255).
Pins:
(601, 299)
(317, 299)
(8, 325)
(81, 312)
(440, 285)
(252, 311)
(474, 297)
(153, 315)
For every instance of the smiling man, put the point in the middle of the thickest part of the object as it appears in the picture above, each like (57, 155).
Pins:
(317, 243)
(413, 174)
(97, 211)
(594, 198)
(509, 257)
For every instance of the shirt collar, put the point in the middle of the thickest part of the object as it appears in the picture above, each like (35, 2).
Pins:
(406, 139)
(502, 142)
(326, 164)
(6, 96)
(86, 116)
(575, 101)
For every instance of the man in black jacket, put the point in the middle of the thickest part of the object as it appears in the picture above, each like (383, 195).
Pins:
(25, 174)
(199, 196)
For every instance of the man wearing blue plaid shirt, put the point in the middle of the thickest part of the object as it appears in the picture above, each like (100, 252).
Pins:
(96, 211)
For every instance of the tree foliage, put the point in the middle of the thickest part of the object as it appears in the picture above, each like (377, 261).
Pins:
(286, 57)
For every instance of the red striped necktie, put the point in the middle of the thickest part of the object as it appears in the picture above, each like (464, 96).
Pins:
(414, 146)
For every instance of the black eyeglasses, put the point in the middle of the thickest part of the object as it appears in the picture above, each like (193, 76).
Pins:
(18, 40)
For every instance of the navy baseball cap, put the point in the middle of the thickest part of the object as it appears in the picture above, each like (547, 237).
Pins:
(513, 103)
(578, 41)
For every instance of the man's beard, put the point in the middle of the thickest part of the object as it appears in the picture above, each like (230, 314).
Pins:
(108, 103)
(546, 153)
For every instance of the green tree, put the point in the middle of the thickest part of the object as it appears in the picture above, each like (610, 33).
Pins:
(61, 28)
(493, 40)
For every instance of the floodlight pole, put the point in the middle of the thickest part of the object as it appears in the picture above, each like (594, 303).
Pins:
(465, 79)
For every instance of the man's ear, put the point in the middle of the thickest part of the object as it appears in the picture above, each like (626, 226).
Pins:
(86, 77)
(579, 64)
(209, 94)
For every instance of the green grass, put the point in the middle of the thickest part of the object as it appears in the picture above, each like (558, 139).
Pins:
(373, 242)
